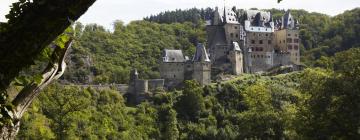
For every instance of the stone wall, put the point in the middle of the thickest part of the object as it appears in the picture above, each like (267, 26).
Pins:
(173, 73)
(202, 72)
(141, 86)
(154, 84)
(236, 58)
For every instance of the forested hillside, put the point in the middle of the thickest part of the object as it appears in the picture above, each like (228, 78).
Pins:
(312, 104)
(321, 102)
(101, 56)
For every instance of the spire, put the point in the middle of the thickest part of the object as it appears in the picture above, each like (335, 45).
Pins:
(200, 54)
(288, 21)
(134, 74)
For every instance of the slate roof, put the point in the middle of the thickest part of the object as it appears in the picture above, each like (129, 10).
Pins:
(236, 46)
(200, 54)
(258, 18)
(216, 36)
(230, 16)
(173, 56)
(288, 21)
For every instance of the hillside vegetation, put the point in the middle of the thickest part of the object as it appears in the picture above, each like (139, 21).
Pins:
(101, 56)
(321, 102)
(312, 104)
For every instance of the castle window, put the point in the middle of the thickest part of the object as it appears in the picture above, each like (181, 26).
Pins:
(289, 47)
(289, 40)
(260, 42)
(269, 41)
(235, 27)
(296, 40)
(252, 41)
(296, 47)
(236, 35)
(259, 34)
(174, 76)
(289, 35)
(296, 35)
(231, 35)
(266, 34)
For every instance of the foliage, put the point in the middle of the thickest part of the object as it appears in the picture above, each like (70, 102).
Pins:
(100, 56)
(317, 103)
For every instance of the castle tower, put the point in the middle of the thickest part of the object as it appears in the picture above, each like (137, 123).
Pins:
(172, 67)
(258, 51)
(287, 40)
(201, 66)
(221, 34)
(236, 59)
(134, 76)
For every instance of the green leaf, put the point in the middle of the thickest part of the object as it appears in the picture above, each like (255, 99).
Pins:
(21, 81)
(38, 78)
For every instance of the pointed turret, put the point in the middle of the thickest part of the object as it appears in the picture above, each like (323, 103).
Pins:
(201, 54)
(288, 21)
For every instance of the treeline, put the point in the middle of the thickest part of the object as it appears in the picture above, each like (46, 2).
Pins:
(317, 103)
(193, 15)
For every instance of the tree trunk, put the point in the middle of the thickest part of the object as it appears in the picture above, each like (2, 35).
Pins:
(22, 101)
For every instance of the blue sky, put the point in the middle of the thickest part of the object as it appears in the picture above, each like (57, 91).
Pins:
(104, 12)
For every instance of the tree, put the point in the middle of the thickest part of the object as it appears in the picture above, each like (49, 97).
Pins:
(332, 99)
(60, 104)
(32, 25)
(191, 103)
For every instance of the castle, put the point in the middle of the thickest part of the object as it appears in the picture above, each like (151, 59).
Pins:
(248, 42)
(263, 43)
(175, 67)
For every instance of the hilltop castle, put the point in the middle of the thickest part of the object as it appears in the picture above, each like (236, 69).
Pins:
(248, 42)
(237, 43)
(263, 43)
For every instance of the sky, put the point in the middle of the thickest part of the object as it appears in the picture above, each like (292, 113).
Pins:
(105, 12)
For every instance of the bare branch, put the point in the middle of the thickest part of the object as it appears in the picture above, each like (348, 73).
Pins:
(53, 71)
